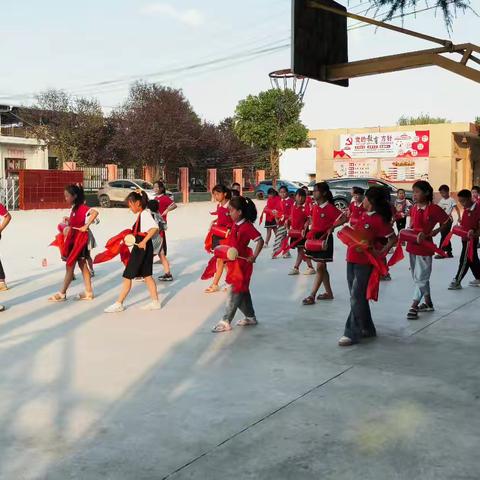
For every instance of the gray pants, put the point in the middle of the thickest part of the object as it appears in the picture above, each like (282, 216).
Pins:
(359, 321)
(421, 268)
(241, 301)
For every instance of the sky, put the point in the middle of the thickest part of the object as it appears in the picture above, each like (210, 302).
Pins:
(218, 52)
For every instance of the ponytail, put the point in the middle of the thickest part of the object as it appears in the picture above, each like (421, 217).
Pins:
(138, 196)
(246, 206)
(379, 198)
(77, 193)
(324, 189)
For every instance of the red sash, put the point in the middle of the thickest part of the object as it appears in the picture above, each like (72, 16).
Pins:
(115, 246)
(351, 238)
(71, 245)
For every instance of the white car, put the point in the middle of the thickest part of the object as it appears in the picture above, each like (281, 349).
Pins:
(117, 191)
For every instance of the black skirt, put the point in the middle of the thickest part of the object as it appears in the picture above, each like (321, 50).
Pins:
(270, 223)
(141, 261)
(300, 244)
(215, 241)
(163, 248)
(322, 255)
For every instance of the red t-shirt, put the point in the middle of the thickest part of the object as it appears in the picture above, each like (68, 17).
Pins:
(3, 210)
(241, 235)
(424, 220)
(355, 212)
(471, 217)
(164, 201)
(78, 217)
(223, 216)
(374, 230)
(287, 205)
(298, 216)
(308, 201)
(273, 203)
(324, 216)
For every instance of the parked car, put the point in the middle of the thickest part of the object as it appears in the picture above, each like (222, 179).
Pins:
(116, 192)
(342, 189)
(262, 188)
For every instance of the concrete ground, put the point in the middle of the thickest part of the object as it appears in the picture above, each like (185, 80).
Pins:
(147, 396)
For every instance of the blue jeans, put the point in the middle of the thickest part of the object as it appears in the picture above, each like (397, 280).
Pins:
(359, 321)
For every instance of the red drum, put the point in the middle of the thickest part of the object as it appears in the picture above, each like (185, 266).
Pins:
(294, 233)
(460, 231)
(220, 231)
(225, 252)
(316, 245)
(408, 236)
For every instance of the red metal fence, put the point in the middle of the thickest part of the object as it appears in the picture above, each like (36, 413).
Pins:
(45, 188)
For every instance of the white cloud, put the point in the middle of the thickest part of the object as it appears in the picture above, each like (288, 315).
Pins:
(191, 16)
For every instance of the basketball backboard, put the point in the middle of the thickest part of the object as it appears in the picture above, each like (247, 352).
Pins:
(319, 39)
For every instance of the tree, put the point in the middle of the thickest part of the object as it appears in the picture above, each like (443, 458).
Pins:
(74, 127)
(271, 121)
(156, 126)
(477, 121)
(448, 7)
(422, 119)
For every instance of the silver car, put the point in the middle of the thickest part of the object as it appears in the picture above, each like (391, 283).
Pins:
(116, 192)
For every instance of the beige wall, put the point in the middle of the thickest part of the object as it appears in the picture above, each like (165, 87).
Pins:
(450, 159)
(30, 149)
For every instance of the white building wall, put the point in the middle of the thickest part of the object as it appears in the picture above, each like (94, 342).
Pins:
(298, 165)
(30, 149)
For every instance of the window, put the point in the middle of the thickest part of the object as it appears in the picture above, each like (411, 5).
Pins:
(116, 184)
(147, 186)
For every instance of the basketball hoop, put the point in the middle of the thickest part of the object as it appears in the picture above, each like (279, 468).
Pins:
(287, 80)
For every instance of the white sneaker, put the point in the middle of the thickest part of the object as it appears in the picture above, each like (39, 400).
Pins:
(2, 308)
(246, 322)
(475, 283)
(155, 305)
(294, 271)
(455, 285)
(115, 308)
(310, 271)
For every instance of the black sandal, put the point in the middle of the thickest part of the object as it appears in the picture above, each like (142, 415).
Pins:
(412, 314)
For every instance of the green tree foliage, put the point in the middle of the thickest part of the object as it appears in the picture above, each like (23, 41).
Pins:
(270, 121)
(422, 119)
(449, 8)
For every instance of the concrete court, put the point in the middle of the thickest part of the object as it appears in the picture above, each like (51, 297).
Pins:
(88, 396)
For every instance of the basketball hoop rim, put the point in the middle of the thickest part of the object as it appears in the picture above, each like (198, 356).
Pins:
(285, 73)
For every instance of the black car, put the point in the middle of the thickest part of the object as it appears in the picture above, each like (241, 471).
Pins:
(342, 189)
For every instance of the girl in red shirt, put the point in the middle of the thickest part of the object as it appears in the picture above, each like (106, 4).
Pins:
(298, 221)
(165, 205)
(356, 208)
(222, 195)
(375, 229)
(286, 203)
(424, 217)
(324, 217)
(243, 213)
(75, 243)
(271, 210)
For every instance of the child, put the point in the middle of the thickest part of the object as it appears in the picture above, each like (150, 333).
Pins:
(375, 228)
(157, 240)
(308, 201)
(235, 190)
(401, 207)
(356, 208)
(222, 195)
(324, 218)
(74, 243)
(271, 211)
(470, 221)
(165, 205)
(448, 204)
(5, 219)
(424, 215)
(140, 263)
(476, 194)
(299, 221)
(243, 214)
(281, 219)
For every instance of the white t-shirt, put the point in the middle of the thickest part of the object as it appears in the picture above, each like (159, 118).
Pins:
(146, 221)
(447, 204)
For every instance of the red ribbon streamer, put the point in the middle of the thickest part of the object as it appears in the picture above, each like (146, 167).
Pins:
(350, 238)
(115, 246)
(463, 234)
(70, 245)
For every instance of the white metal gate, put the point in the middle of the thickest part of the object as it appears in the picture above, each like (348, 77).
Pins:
(9, 192)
